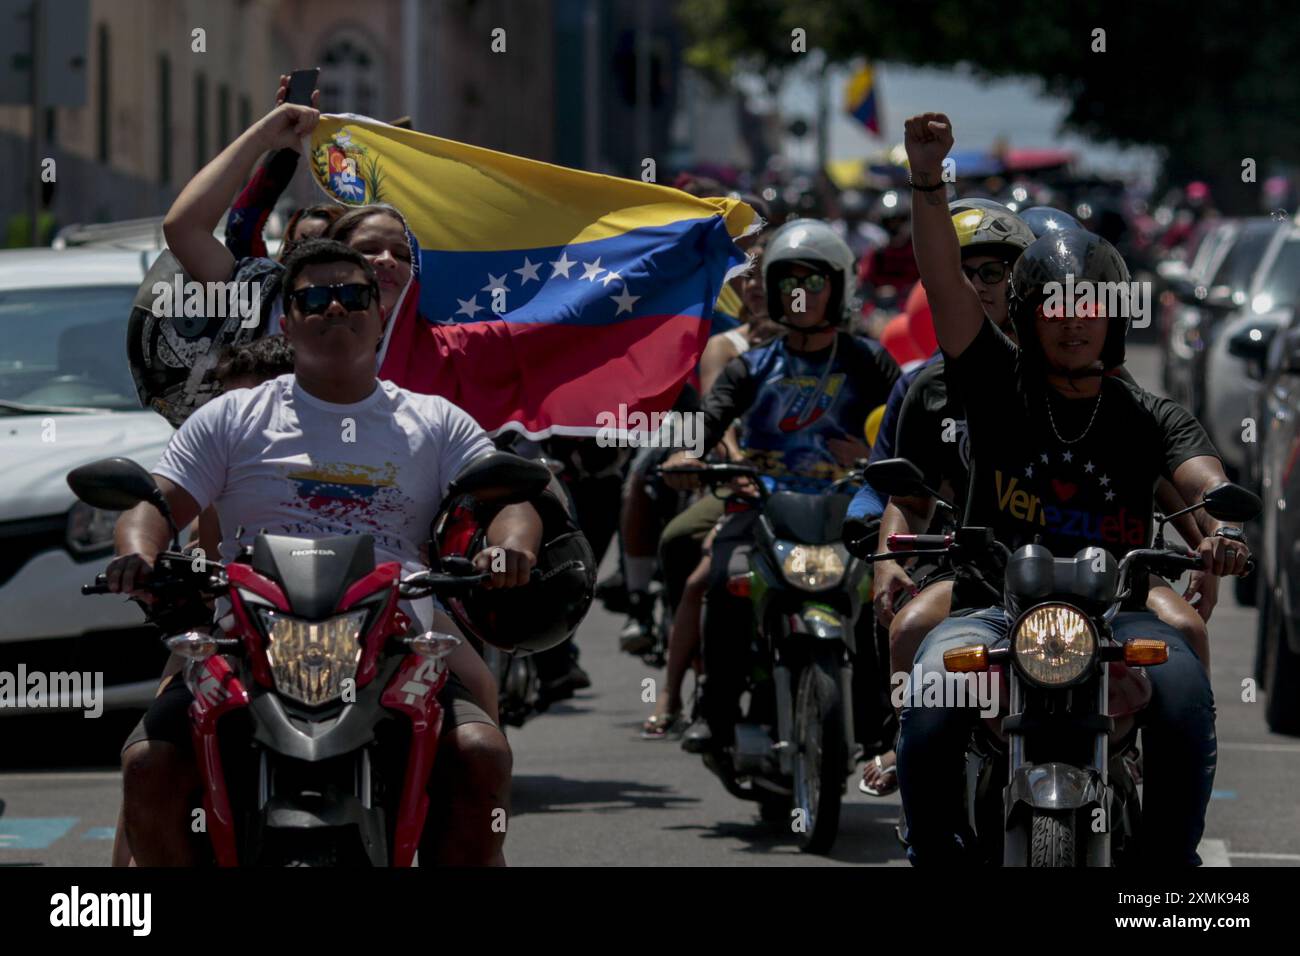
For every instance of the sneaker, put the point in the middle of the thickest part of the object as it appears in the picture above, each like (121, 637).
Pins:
(698, 739)
(638, 633)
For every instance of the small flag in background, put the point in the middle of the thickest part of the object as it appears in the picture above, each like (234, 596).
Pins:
(541, 296)
(860, 98)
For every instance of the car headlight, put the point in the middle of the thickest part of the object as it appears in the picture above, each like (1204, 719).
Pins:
(311, 659)
(1054, 645)
(90, 529)
(812, 567)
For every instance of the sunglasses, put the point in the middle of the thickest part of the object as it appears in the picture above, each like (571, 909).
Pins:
(315, 299)
(1087, 312)
(813, 283)
(990, 273)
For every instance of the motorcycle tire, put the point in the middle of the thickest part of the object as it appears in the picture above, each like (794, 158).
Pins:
(1051, 841)
(821, 754)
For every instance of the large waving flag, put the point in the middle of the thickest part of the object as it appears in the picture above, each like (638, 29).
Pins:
(860, 98)
(542, 297)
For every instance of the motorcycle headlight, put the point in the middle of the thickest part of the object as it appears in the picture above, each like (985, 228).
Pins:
(1054, 645)
(90, 529)
(812, 567)
(311, 659)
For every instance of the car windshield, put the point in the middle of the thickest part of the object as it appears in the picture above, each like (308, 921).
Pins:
(1280, 287)
(1238, 266)
(65, 348)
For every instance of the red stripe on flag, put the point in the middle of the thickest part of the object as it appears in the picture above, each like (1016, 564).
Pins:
(541, 375)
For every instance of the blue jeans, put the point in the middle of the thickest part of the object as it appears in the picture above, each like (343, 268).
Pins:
(1178, 742)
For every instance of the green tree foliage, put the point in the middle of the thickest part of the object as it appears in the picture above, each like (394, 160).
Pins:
(1210, 83)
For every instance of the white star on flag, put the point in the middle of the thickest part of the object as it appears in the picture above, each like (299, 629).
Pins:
(469, 306)
(562, 266)
(624, 301)
(529, 271)
(593, 269)
(609, 277)
(494, 283)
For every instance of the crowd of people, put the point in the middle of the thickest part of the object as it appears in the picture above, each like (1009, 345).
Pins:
(907, 325)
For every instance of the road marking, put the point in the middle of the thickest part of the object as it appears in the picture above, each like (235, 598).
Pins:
(1215, 853)
(1262, 748)
(100, 833)
(1223, 794)
(33, 833)
(1267, 856)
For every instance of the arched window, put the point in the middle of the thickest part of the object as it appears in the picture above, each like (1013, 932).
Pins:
(350, 76)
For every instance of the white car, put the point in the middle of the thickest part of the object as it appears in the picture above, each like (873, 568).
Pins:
(67, 398)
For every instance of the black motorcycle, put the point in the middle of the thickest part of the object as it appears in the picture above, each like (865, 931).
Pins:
(796, 743)
(1051, 780)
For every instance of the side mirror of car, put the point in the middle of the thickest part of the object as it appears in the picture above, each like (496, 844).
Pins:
(1252, 343)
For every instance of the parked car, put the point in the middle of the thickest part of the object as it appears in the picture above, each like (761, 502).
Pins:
(67, 398)
(1225, 294)
(1277, 544)
(1182, 278)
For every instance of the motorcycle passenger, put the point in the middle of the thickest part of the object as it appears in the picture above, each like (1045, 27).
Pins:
(802, 402)
(264, 457)
(1061, 452)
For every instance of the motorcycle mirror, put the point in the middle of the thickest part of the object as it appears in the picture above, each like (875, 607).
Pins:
(1229, 502)
(897, 476)
(114, 484)
(501, 478)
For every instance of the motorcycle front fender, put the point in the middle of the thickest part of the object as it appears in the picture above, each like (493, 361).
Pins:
(1054, 786)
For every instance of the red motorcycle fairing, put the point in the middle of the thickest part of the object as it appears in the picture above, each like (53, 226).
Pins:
(388, 621)
(1130, 690)
(217, 690)
(413, 691)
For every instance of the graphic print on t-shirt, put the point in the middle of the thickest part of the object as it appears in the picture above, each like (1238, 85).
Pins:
(1063, 497)
(794, 452)
(358, 494)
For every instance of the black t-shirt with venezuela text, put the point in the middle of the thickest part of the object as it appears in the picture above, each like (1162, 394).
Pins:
(1026, 481)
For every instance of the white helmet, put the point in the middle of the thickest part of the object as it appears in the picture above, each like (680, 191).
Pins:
(814, 243)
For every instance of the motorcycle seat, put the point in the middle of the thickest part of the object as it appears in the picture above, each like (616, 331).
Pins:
(807, 519)
(314, 573)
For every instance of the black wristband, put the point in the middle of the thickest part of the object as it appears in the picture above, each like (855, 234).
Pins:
(927, 189)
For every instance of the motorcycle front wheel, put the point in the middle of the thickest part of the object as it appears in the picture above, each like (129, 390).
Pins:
(821, 754)
(1051, 842)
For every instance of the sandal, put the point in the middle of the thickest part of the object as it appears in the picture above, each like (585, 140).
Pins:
(888, 775)
(660, 726)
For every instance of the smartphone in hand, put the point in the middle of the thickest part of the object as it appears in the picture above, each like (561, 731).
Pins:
(302, 83)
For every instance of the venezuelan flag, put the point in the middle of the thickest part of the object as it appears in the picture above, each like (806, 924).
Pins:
(860, 98)
(541, 296)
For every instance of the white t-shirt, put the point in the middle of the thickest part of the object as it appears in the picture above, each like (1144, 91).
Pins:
(274, 458)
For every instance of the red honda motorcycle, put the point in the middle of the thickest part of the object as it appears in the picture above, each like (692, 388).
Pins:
(315, 717)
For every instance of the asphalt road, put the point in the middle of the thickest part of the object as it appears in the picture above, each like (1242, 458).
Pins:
(588, 791)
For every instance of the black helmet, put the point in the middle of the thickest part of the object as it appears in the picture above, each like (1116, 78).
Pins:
(541, 614)
(1065, 257)
(1044, 219)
